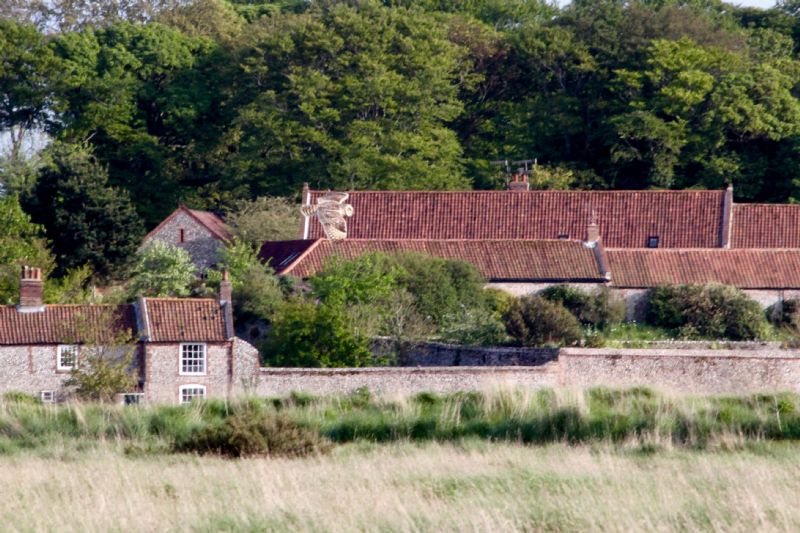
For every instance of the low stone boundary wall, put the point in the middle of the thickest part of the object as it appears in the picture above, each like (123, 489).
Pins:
(696, 371)
(399, 380)
(693, 371)
(441, 354)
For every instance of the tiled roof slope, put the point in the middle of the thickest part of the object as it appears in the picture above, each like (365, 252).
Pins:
(209, 220)
(542, 260)
(168, 320)
(681, 219)
(214, 224)
(59, 324)
(765, 226)
(747, 269)
(187, 319)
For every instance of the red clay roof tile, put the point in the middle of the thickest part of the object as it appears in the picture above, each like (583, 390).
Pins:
(59, 324)
(541, 260)
(185, 319)
(746, 269)
(766, 226)
(681, 219)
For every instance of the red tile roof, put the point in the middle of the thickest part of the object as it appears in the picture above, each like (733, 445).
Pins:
(541, 260)
(681, 219)
(207, 219)
(59, 324)
(766, 226)
(184, 319)
(747, 269)
(167, 320)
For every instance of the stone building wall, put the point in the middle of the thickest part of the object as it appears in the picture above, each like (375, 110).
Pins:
(162, 380)
(202, 245)
(30, 369)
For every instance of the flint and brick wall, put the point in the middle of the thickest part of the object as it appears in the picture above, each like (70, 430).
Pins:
(400, 380)
(440, 354)
(202, 245)
(30, 369)
(692, 371)
(162, 380)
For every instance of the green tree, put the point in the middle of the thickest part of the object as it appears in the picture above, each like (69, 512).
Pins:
(87, 221)
(132, 91)
(257, 292)
(161, 269)
(534, 321)
(351, 96)
(105, 365)
(266, 218)
(21, 243)
(29, 74)
(305, 334)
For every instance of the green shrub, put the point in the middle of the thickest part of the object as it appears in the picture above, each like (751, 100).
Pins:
(534, 321)
(785, 314)
(599, 308)
(249, 433)
(305, 334)
(474, 327)
(706, 311)
(440, 287)
(20, 397)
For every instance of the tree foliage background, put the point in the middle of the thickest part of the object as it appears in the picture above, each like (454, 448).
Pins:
(217, 102)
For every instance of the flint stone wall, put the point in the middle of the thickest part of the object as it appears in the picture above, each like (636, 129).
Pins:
(688, 371)
(396, 380)
(440, 354)
(202, 245)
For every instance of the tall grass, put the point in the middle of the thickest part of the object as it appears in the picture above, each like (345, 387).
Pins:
(473, 486)
(522, 415)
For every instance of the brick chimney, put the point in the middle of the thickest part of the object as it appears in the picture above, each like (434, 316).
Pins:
(225, 289)
(593, 230)
(519, 183)
(593, 233)
(31, 288)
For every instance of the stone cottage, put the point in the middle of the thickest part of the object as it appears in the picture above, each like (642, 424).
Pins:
(183, 348)
(201, 233)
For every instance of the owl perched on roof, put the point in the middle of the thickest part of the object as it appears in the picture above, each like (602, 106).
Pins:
(331, 211)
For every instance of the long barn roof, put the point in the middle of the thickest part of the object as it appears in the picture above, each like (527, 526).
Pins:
(680, 219)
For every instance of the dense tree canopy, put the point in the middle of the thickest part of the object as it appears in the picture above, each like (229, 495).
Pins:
(88, 222)
(217, 102)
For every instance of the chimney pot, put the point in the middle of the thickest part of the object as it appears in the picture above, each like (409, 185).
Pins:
(31, 289)
(519, 183)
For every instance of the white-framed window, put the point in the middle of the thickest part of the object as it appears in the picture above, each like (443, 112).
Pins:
(188, 393)
(67, 357)
(48, 396)
(132, 398)
(193, 359)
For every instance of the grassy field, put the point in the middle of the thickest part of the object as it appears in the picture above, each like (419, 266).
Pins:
(505, 460)
(474, 486)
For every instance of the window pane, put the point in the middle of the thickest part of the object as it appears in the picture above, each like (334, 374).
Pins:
(193, 358)
(190, 393)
